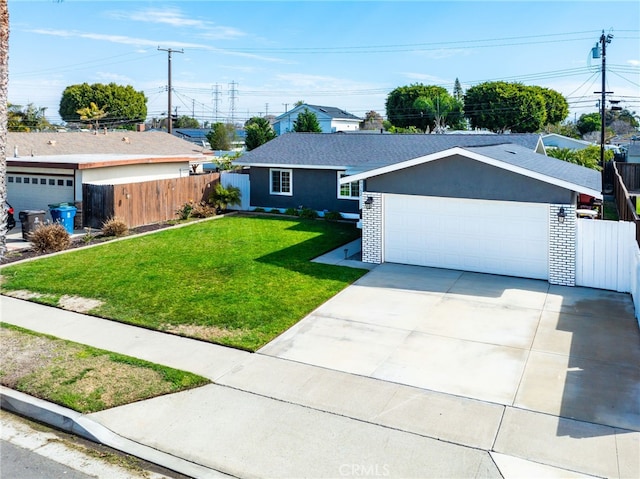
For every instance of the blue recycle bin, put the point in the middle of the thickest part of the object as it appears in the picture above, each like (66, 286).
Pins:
(63, 214)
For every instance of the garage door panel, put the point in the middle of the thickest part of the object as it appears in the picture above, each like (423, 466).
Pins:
(475, 235)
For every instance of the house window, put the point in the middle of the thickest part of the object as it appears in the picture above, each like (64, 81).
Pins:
(26, 180)
(348, 190)
(60, 182)
(52, 182)
(281, 182)
(10, 179)
(69, 183)
(43, 181)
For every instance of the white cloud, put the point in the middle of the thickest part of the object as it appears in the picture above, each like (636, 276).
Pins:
(634, 63)
(425, 78)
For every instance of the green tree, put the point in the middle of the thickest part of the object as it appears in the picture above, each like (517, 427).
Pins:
(424, 107)
(93, 114)
(458, 94)
(307, 121)
(27, 118)
(555, 104)
(589, 122)
(589, 156)
(259, 131)
(502, 106)
(219, 137)
(185, 121)
(125, 106)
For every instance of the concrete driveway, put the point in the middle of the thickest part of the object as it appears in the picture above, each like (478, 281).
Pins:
(567, 352)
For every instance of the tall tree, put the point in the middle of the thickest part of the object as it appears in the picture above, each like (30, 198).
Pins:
(458, 94)
(259, 131)
(4, 84)
(185, 121)
(219, 137)
(125, 105)
(26, 118)
(501, 106)
(589, 122)
(419, 105)
(307, 121)
(555, 104)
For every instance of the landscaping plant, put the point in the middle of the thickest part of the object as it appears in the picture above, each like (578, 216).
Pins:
(50, 238)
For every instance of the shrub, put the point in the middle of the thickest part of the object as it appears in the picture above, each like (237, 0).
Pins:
(50, 238)
(275, 211)
(203, 210)
(222, 197)
(114, 227)
(333, 216)
(258, 210)
(184, 212)
(308, 213)
(291, 212)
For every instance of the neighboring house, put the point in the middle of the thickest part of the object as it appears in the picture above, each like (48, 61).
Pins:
(633, 152)
(553, 140)
(500, 209)
(304, 169)
(49, 168)
(331, 119)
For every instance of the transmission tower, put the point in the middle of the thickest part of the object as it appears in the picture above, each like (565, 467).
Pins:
(233, 93)
(216, 102)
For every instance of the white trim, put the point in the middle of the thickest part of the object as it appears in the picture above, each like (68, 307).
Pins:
(289, 166)
(281, 170)
(350, 197)
(478, 157)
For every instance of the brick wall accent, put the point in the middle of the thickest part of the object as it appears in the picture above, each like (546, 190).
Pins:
(562, 246)
(372, 229)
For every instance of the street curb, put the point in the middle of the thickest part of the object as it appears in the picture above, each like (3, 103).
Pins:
(73, 422)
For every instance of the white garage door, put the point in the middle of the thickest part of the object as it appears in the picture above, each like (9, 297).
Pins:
(499, 237)
(36, 192)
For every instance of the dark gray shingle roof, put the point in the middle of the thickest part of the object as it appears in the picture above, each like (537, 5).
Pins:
(544, 165)
(365, 152)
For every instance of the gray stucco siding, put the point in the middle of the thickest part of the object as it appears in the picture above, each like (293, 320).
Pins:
(315, 189)
(460, 177)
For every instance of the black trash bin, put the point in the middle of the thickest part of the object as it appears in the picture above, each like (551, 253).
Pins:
(30, 220)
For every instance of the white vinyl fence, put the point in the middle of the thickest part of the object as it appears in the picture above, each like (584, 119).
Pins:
(240, 181)
(606, 255)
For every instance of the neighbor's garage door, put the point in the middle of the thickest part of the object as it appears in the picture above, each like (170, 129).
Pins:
(499, 237)
(37, 192)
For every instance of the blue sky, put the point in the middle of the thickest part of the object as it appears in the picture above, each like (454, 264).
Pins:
(336, 53)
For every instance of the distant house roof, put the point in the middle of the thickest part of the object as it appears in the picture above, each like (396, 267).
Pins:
(512, 157)
(331, 111)
(86, 150)
(366, 152)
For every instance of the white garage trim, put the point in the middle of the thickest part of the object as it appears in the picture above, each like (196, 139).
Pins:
(498, 237)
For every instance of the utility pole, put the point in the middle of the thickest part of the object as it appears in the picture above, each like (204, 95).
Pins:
(604, 39)
(169, 52)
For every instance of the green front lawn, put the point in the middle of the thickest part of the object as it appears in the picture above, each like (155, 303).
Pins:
(238, 281)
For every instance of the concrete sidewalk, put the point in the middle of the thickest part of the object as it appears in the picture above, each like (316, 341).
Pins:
(271, 417)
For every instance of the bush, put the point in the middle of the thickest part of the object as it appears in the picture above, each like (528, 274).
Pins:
(184, 212)
(275, 211)
(258, 210)
(203, 210)
(222, 197)
(50, 238)
(291, 212)
(333, 216)
(114, 227)
(308, 213)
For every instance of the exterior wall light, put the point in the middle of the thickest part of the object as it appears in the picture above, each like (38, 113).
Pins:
(561, 215)
(368, 202)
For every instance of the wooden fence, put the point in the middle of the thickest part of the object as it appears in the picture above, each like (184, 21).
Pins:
(626, 180)
(143, 203)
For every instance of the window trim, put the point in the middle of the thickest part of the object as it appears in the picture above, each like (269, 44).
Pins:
(280, 171)
(350, 197)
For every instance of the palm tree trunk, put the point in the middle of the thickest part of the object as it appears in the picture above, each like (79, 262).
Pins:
(4, 84)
